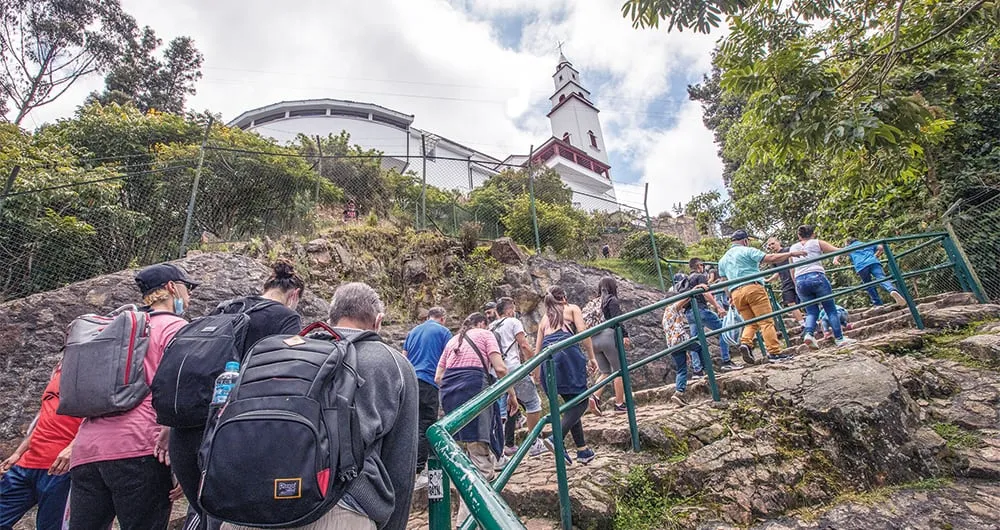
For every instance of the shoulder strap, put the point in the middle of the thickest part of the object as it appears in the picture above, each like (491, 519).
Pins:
(479, 353)
(496, 325)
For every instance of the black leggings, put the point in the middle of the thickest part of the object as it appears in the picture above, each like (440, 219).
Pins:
(508, 429)
(184, 445)
(571, 420)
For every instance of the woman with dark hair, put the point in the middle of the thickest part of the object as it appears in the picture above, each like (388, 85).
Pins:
(561, 321)
(811, 283)
(271, 313)
(606, 343)
(463, 372)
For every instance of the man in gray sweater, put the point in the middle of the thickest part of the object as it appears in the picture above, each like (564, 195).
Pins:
(387, 410)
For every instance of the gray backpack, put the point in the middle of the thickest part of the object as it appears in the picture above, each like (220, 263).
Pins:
(102, 366)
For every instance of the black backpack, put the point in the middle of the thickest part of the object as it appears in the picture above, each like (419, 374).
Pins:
(198, 353)
(288, 442)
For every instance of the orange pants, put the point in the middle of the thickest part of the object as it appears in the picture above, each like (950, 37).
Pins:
(751, 301)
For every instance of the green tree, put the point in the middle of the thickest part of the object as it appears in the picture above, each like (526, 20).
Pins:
(357, 171)
(48, 45)
(639, 248)
(709, 210)
(149, 82)
(861, 117)
(709, 248)
(557, 224)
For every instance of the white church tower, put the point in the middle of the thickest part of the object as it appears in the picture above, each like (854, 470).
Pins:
(573, 116)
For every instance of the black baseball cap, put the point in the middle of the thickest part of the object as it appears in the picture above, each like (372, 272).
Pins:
(740, 235)
(156, 276)
(489, 305)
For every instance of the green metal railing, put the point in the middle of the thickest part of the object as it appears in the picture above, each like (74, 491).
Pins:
(486, 506)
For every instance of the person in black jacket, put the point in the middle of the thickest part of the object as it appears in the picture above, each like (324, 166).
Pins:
(605, 343)
(274, 315)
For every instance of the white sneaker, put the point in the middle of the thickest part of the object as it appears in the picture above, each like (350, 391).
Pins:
(499, 465)
(421, 482)
(845, 341)
(811, 341)
(537, 448)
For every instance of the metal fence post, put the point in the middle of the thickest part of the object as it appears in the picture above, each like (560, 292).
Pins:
(901, 285)
(652, 238)
(962, 262)
(194, 190)
(531, 196)
(706, 357)
(319, 165)
(423, 189)
(633, 425)
(565, 513)
(8, 185)
(438, 507)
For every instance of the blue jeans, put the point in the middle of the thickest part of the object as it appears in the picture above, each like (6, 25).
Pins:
(813, 285)
(875, 272)
(841, 314)
(681, 364)
(21, 489)
(711, 321)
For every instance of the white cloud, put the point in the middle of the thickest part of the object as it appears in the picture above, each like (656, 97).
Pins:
(443, 62)
(681, 162)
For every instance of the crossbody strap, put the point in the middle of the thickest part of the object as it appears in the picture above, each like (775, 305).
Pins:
(478, 353)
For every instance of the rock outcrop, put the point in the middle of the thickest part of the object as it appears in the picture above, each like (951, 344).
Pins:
(33, 329)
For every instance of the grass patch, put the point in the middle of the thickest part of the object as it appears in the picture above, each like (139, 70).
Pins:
(638, 272)
(747, 412)
(640, 506)
(870, 497)
(680, 445)
(957, 437)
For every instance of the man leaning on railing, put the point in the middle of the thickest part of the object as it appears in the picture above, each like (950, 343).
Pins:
(750, 297)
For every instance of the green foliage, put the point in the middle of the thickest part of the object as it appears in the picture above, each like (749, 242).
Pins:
(639, 506)
(495, 199)
(709, 248)
(638, 272)
(557, 224)
(957, 437)
(140, 78)
(709, 210)
(848, 115)
(638, 247)
(468, 235)
(474, 279)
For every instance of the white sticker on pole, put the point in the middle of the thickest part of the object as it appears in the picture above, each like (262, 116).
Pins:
(435, 487)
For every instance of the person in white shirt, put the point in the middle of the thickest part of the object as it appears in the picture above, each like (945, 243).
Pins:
(811, 283)
(515, 348)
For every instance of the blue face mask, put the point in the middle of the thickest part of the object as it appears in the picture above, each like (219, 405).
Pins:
(178, 306)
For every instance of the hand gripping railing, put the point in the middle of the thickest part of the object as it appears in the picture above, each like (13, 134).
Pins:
(482, 498)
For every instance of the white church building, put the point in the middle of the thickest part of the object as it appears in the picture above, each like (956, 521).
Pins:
(576, 149)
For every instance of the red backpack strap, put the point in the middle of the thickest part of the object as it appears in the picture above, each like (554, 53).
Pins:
(319, 326)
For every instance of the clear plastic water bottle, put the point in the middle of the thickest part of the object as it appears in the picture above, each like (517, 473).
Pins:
(225, 382)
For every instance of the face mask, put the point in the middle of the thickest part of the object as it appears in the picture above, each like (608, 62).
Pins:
(178, 306)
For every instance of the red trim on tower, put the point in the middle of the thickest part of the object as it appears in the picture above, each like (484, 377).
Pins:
(554, 147)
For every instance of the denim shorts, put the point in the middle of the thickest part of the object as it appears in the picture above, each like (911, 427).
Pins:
(527, 394)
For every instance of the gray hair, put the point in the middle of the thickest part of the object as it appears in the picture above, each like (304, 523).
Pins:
(436, 312)
(356, 301)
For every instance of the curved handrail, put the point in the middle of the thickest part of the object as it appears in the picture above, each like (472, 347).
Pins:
(484, 502)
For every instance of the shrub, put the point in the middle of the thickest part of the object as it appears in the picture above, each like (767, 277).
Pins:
(637, 247)
(474, 279)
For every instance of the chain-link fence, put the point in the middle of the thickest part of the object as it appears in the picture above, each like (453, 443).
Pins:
(61, 223)
(974, 223)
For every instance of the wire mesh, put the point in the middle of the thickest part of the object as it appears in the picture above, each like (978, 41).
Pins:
(975, 221)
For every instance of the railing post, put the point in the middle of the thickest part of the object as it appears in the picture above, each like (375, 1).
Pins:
(963, 278)
(779, 320)
(706, 357)
(194, 190)
(670, 273)
(565, 513)
(633, 425)
(652, 239)
(954, 246)
(901, 285)
(438, 495)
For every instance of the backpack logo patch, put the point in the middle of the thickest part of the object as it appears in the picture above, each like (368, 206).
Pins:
(287, 488)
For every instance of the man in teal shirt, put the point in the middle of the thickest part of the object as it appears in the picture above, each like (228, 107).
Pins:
(750, 297)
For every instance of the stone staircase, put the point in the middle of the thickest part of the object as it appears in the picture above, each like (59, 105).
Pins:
(818, 436)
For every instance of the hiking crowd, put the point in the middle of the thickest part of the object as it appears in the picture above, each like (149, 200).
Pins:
(258, 422)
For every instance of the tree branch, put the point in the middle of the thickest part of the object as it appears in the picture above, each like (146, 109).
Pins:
(946, 30)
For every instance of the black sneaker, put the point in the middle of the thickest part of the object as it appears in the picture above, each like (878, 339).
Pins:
(696, 375)
(747, 354)
(729, 366)
(779, 358)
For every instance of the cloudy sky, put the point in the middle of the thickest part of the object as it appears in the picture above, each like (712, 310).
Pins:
(476, 71)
